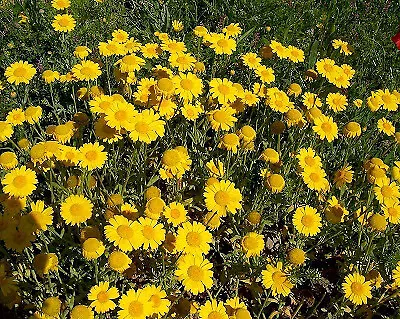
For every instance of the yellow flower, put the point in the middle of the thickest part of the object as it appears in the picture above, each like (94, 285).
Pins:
(160, 304)
(215, 168)
(386, 192)
(385, 126)
(356, 289)
(253, 244)
(154, 207)
(222, 119)
(119, 261)
(92, 248)
(343, 46)
(124, 233)
(191, 111)
(392, 212)
(296, 256)
(182, 61)
(175, 162)
(336, 101)
(86, 70)
(8, 160)
(274, 182)
(193, 238)
(63, 23)
(200, 31)
(101, 296)
(76, 209)
(81, 312)
(223, 90)
(396, 274)
(20, 72)
(230, 142)
(278, 100)
(307, 221)
(188, 86)
(352, 129)
(311, 100)
(177, 25)
(222, 44)
(51, 307)
(326, 128)
(308, 159)
(120, 36)
(325, 67)
(135, 305)
(294, 89)
(315, 179)
(50, 76)
(358, 103)
(44, 263)
(343, 176)
(377, 222)
(269, 155)
(33, 114)
(16, 117)
(175, 213)
(146, 126)
(152, 234)
(19, 182)
(213, 309)
(173, 46)
(251, 60)
(232, 30)
(82, 51)
(195, 273)
(61, 4)
(130, 63)
(294, 54)
(92, 156)
(390, 101)
(112, 47)
(335, 211)
(275, 278)
(39, 216)
(265, 74)
(119, 115)
(222, 197)
(279, 49)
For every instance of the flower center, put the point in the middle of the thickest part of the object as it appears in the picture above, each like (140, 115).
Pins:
(314, 177)
(387, 191)
(249, 243)
(357, 288)
(63, 22)
(175, 213)
(120, 115)
(223, 43)
(136, 309)
(222, 198)
(214, 315)
(91, 155)
(193, 239)
(148, 232)
(307, 220)
(124, 231)
(171, 158)
(102, 296)
(224, 89)
(187, 84)
(142, 127)
(20, 72)
(326, 127)
(19, 181)
(165, 85)
(220, 116)
(156, 300)
(278, 277)
(75, 209)
(195, 273)
(86, 70)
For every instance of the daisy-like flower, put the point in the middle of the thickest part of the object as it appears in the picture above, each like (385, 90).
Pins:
(352, 129)
(315, 178)
(222, 197)
(222, 44)
(279, 49)
(392, 212)
(175, 162)
(20, 72)
(253, 244)
(307, 221)
(92, 248)
(295, 54)
(188, 86)
(386, 192)
(193, 238)
(19, 182)
(61, 4)
(119, 115)
(223, 90)
(336, 101)
(92, 156)
(276, 279)
(182, 61)
(232, 30)
(101, 296)
(86, 70)
(146, 126)
(308, 159)
(130, 63)
(265, 74)
(191, 111)
(175, 213)
(8, 160)
(342, 45)
(33, 114)
(120, 36)
(152, 234)
(251, 60)
(41, 217)
(195, 273)
(16, 117)
(213, 309)
(356, 289)
(326, 128)
(385, 126)
(76, 209)
(124, 233)
(222, 119)
(64, 23)
(82, 51)
(135, 304)
(119, 261)
(158, 300)
(343, 176)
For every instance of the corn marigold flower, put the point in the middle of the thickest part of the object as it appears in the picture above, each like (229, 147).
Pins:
(352, 129)
(120, 36)
(19, 182)
(390, 101)
(188, 86)
(193, 238)
(8, 160)
(212, 220)
(20, 72)
(76, 209)
(44, 263)
(252, 244)
(63, 23)
(396, 275)
(343, 176)
(307, 221)
(296, 256)
(280, 50)
(135, 304)
(222, 44)
(325, 128)
(278, 100)
(33, 114)
(123, 233)
(182, 61)
(61, 4)
(274, 182)
(92, 248)
(265, 74)
(16, 117)
(154, 207)
(222, 197)
(175, 213)
(160, 304)
(343, 46)
(106, 133)
(119, 261)
(200, 31)
(215, 168)
(50, 76)
(195, 273)
(386, 126)
(251, 60)
(294, 89)
(51, 307)
(294, 54)
(377, 222)
(152, 234)
(177, 25)
(39, 216)
(356, 289)
(386, 192)
(101, 297)
(230, 142)
(336, 101)
(325, 67)
(213, 309)
(276, 279)
(335, 211)
(175, 162)
(392, 212)
(82, 51)
(86, 70)
(81, 311)
(92, 156)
